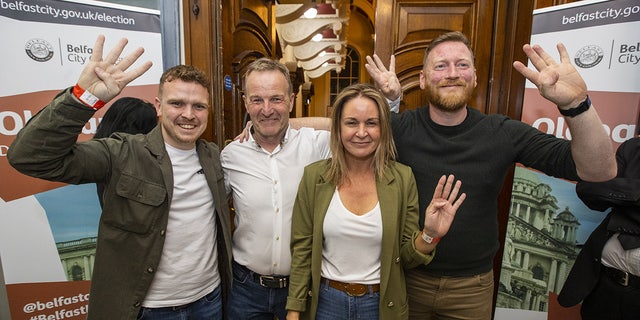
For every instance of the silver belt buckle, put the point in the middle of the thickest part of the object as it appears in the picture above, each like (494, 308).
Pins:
(262, 278)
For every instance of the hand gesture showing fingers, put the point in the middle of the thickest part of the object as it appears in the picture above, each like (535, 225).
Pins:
(106, 77)
(560, 83)
(443, 207)
(386, 80)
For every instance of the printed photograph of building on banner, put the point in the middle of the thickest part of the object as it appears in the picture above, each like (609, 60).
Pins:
(547, 224)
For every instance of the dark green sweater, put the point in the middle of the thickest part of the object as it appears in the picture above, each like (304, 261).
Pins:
(479, 151)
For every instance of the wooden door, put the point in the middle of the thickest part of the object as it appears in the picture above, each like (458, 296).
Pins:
(413, 24)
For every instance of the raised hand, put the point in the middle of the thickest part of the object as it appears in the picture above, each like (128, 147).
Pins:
(386, 80)
(443, 207)
(560, 83)
(106, 77)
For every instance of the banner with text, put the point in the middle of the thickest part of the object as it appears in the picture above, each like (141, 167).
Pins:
(547, 221)
(48, 230)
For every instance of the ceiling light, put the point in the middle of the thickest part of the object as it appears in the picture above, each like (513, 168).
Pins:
(311, 13)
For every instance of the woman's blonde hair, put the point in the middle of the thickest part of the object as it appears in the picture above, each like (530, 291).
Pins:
(386, 150)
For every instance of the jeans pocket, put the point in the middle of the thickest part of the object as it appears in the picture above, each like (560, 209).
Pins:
(214, 296)
(141, 313)
(240, 274)
(324, 286)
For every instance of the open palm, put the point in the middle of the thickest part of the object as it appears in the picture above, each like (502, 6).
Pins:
(443, 206)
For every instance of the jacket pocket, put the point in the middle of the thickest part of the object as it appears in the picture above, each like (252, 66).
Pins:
(137, 207)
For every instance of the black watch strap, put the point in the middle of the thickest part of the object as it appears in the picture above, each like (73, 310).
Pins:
(582, 107)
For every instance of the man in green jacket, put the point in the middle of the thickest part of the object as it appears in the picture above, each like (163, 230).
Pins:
(164, 235)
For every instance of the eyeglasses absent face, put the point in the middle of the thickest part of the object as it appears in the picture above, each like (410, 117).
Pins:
(273, 101)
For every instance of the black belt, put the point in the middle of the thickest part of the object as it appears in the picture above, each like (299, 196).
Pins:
(267, 281)
(622, 278)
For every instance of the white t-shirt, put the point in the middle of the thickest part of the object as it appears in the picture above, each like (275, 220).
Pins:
(352, 244)
(188, 268)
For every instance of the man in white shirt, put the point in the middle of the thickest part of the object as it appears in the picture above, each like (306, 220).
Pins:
(263, 174)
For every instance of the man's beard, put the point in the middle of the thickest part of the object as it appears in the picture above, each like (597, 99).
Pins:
(452, 101)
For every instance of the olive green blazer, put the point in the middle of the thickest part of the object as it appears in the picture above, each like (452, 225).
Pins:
(398, 199)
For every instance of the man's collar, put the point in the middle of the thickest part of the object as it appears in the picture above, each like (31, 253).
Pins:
(284, 140)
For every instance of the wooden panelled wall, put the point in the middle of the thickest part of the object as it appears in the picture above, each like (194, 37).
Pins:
(223, 36)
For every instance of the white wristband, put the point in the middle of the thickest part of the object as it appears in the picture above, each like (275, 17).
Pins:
(87, 98)
(428, 239)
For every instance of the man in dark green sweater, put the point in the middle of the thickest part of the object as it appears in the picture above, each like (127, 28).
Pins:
(449, 137)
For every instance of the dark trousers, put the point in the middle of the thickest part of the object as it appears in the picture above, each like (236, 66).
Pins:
(612, 301)
(249, 300)
(207, 307)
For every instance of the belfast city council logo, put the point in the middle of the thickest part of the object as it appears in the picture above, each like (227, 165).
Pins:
(39, 50)
(589, 56)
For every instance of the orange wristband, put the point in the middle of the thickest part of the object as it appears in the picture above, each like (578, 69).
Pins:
(87, 98)
(429, 239)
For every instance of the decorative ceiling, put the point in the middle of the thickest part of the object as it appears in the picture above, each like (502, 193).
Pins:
(315, 41)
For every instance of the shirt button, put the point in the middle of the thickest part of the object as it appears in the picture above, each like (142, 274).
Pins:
(136, 304)
(150, 269)
(397, 260)
(390, 304)
(162, 232)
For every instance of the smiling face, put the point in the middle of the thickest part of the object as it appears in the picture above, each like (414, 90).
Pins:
(360, 128)
(449, 76)
(268, 101)
(183, 108)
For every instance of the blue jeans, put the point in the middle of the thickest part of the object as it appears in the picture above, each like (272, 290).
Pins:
(334, 304)
(248, 300)
(207, 307)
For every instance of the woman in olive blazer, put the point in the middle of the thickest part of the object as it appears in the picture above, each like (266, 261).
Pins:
(363, 169)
